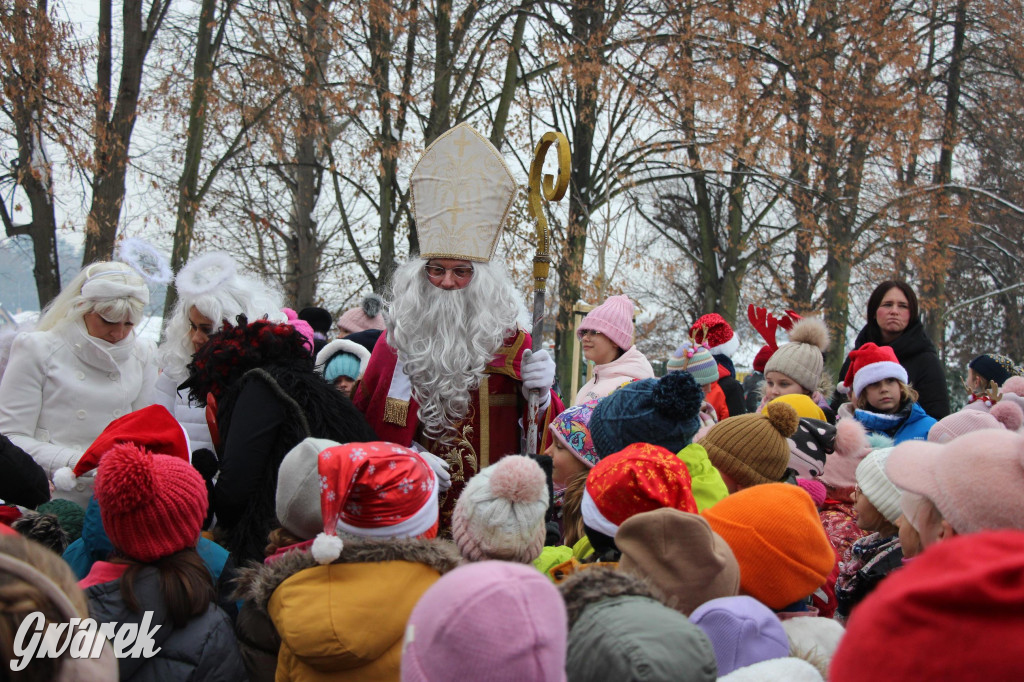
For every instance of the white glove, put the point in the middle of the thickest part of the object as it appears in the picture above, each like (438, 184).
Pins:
(538, 370)
(439, 465)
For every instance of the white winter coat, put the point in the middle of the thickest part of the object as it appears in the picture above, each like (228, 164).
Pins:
(192, 417)
(62, 387)
(630, 366)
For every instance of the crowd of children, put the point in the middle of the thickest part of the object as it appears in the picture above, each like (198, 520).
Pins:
(663, 535)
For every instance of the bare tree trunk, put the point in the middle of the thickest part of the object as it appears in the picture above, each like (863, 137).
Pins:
(114, 129)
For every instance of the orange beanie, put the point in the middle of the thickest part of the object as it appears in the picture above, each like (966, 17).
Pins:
(777, 537)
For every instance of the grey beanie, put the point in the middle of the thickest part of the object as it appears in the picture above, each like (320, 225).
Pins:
(801, 359)
(631, 637)
(298, 489)
(657, 411)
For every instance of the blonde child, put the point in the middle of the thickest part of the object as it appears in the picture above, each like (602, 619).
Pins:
(796, 367)
(883, 402)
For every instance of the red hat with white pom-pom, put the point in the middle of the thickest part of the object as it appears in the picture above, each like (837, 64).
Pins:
(151, 427)
(375, 490)
(713, 331)
(870, 364)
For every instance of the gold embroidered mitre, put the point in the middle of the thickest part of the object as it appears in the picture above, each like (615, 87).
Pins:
(462, 193)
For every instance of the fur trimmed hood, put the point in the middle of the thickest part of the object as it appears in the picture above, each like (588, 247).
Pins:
(257, 582)
(342, 346)
(592, 585)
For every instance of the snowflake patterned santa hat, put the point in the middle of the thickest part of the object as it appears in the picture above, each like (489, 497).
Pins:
(373, 490)
(713, 331)
(152, 428)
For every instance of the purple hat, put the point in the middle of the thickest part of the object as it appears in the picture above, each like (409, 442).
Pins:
(614, 319)
(572, 429)
(453, 633)
(742, 630)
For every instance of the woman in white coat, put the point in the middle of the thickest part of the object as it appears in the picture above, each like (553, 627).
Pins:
(80, 369)
(606, 335)
(210, 290)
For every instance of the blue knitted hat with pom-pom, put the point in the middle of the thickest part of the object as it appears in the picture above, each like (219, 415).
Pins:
(658, 411)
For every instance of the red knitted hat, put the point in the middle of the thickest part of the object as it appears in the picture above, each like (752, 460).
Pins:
(870, 364)
(714, 332)
(151, 505)
(956, 612)
(151, 427)
(637, 479)
(374, 489)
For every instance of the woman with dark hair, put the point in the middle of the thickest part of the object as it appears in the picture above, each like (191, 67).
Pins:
(893, 320)
(262, 398)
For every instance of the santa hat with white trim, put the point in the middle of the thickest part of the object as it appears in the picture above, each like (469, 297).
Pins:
(870, 364)
(152, 428)
(373, 490)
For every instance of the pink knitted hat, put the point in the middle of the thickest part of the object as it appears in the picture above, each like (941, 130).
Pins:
(500, 513)
(366, 316)
(614, 319)
(455, 632)
(851, 445)
(1002, 415)
(301, 326)
(151, 505)
(975, 481)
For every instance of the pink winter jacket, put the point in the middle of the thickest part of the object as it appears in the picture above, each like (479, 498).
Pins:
(630, 366)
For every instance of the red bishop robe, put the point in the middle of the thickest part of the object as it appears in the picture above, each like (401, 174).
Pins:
(489, 432)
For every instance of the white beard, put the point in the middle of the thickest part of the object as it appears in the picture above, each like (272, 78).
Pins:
(445, 339)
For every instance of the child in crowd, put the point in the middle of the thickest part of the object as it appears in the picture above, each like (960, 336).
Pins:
(698, 361)
(382, 499)
(838, 515)
(680, 555)
(874, 556)
(969, 484)
(988, 368)
(814, 439)
(751, 449)
(155, 572)
(882, 400)
(453, 632)
(500, 513)
(713, 331)
(34, 583)
(797, 367)
(1002, 414)
(742, 630)
(954, 613)
(619, 629)
(660, 412)
(606, 334)
(342, 363)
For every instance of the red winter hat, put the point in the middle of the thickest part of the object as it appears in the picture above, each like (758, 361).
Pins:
(640, 478)
(713, 331)
(870, 364)
(151, 427)
(956, 612)
(377, 490)
(151, 505)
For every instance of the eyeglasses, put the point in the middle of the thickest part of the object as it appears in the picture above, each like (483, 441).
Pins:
(589, 332)
(460, 272)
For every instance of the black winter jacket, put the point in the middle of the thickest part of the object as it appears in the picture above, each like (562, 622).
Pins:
(205, 649)
(24, 482)
(917, 354)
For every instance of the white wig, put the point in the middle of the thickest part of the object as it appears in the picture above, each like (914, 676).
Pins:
(113, 290)
(445, 339)
(211, 284)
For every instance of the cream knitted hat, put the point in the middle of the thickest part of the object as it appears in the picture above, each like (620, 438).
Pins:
(500, 514)
(801, 359)
(873, 482)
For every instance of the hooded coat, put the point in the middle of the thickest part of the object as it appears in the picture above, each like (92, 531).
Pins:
(345, 620)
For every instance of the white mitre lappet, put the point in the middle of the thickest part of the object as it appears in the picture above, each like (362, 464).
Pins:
(462, 193)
